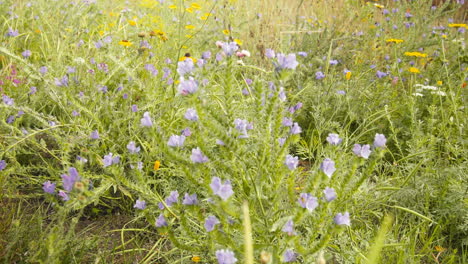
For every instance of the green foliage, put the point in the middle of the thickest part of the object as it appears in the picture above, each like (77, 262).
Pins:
(419, 177)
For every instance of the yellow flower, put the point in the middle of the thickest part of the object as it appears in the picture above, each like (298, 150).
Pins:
(184, 58)
(188, 36)
(394, 40)
(190, 27)
(226, 32)
(439, 82)
(156, 165)
(125, 43)
(132, 23)
(112, 14)
(172, 6)
(348, 75)
(238, 41)
(413, 70)
(190, 10)
(444, 36)
(416, 54)
(196, 259)
(458, 25)
(379, 6)
(101, 32)
(439, 249)
(37, 31)
(195, 6)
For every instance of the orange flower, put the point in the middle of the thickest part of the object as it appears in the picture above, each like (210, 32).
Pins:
(196, 259)
(156, 165)
(348, 75)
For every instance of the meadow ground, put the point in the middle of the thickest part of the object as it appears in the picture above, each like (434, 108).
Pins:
(226, 132)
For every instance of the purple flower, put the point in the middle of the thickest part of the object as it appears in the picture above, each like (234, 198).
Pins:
(380, 74)
(98, 44)
(229, 48)
(186, 132)
(295, 108)
(176, 141)
(307, 201)
(43, 70)
(10, 119)
(225, 256)
(12, 33)
(191, 114)
(197, 156)
(206, 55)
(26, 54)
(48, 187)
(328, 167)
(146, 120)
(71, 70)
(63, 195)
(32, 90)
(289, 228)
(184, 67)
(319, 75)
(289, 256)
(200, 62)
(220, 142)
(140, 204)
(161, 221)
(286, 61)
(333, 62)
(211, 222)
(330, 194)
(362, 151)
(334, 139)
(134, 108)
(380, 140)
(107, 39)
(302, 54)
(61, 82)
(190, 199)
(68, 180)
(342, 219)
(223, 190)
(287, 122)
(219, 56)
(189, 86)
(79, 158)
(132, 148)
(95, 134)
(295, 129)
(75, 113)
(172, 198)
(242, 126)
(281, 141)
(3, 165)
(269, 53)
(7, 100)
(110, 160)
(291, 162)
